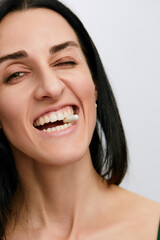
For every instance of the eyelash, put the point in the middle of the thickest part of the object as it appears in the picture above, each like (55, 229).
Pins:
(65, 63)
(72, 63)
(12, 76)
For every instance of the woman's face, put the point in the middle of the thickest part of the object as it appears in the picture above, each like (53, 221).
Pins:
(44, 77)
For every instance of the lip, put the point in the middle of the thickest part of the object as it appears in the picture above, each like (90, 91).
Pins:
(55, 108)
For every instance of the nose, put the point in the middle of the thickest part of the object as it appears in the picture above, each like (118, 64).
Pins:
(48, 85)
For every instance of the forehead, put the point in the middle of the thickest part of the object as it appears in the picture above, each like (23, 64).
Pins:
(34, 26)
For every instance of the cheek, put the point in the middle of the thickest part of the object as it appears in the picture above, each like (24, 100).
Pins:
(87, 91)
(87, 96)
(11, 110)
(82, 84)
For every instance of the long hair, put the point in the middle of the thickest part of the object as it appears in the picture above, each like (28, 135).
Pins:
(108, 145)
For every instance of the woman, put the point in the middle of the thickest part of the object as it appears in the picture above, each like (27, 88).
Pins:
(61, 134)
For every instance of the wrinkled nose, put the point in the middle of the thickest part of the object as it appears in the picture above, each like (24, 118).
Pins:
(48, 86)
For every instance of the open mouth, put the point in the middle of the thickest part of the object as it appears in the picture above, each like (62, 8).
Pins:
(57, 120)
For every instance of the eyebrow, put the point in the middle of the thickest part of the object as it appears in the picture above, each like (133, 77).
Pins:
(16, 55)
(62, 46)
(22, 54)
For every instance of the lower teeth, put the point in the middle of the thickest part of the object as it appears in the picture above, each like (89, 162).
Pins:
(58, 128)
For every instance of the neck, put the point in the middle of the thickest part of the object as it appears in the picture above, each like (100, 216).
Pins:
(60, 194)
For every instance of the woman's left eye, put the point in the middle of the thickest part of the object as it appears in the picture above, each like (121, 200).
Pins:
(65, 64)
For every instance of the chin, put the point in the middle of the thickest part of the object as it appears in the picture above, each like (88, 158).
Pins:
(62, 158)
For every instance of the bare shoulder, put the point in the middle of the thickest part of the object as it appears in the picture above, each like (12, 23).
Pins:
(138, 204)
(125, 215)
(138, 214)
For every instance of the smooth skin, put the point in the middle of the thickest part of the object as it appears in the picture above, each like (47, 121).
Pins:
(62, 196)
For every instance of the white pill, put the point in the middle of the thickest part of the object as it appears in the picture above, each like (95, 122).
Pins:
(71, 118)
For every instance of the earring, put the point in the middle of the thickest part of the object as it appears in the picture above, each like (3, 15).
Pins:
(96, 105)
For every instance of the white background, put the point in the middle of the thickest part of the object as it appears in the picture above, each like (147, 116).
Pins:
(127, 36)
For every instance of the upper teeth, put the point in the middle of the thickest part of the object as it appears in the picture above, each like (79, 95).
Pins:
(54, 116)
